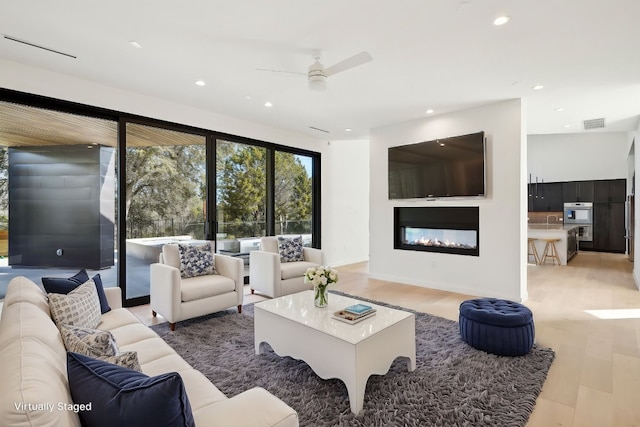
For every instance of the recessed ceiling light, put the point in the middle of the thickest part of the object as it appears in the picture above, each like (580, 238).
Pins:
(567, 126)
(268, 104)
(200, 82)
(135, 44)
(501, 20)
(538, 87)
(429, 111)
(347, 130)
(559, 109)
(248, 97)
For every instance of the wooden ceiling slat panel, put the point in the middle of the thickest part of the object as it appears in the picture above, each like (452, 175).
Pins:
(22, 125)
(146, 136)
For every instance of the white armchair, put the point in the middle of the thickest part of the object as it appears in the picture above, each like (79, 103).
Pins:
(273, 278)
(176, 299)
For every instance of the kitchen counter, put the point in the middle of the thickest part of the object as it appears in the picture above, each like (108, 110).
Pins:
(567, 246)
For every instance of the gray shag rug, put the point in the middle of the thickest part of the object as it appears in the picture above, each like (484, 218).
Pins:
(453, 384)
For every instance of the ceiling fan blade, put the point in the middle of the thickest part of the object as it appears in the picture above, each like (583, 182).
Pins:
(281, 71)
(354, 61)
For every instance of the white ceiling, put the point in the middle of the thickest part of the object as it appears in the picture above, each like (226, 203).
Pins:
(440, 54)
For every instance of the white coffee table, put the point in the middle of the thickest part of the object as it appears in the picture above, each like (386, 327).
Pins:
(294, 327)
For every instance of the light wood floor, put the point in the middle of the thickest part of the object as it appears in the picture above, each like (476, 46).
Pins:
(588, 312)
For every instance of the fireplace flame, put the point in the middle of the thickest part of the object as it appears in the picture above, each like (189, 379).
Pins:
(435, 242)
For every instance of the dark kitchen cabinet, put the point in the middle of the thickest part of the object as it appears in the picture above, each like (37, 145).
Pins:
(553, 195)
(610, 191)
(608, 227)
(577, 191)
(545, 197)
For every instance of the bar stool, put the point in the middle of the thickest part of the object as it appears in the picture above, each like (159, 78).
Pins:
(532, 250)
(550, 251)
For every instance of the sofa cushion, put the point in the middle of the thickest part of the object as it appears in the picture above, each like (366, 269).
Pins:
(90, 342)
(21, 289)
(33, 373)
(171, 255)
(269, 244)
(196, 260)
(80, 307)
(290, 248)
(60, 285)
(120, 396)
(196, 288)
(289, 270)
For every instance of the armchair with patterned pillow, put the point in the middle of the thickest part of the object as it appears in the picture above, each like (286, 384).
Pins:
(278, 267)
(192, 280)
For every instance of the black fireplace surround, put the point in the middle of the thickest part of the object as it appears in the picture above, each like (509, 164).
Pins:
(452, 230)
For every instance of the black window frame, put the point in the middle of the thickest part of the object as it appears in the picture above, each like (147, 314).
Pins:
(122, 118)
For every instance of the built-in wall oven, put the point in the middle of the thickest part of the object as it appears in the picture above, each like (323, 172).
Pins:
(580, 214)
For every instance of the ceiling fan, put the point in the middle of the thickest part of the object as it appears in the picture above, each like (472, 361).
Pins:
(318, 74)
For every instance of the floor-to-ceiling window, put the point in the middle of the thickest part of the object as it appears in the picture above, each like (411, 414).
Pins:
(165, 187)
(140, 182)
(293, 193)
(241, 197)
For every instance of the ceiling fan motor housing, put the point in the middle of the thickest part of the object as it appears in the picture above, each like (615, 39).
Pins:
(317, 77)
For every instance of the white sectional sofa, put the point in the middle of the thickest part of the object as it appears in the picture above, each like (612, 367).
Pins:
(34, 371)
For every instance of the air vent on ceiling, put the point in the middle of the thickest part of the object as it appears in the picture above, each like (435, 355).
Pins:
(594, 124)
(13, 39)
(318, 129)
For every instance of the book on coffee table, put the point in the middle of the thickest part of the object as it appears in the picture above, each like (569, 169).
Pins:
(359, 309)
(350, 318)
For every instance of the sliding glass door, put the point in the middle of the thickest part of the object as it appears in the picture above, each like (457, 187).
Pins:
(293, 195)
(165, 189)
(86, 187)
(241, 204)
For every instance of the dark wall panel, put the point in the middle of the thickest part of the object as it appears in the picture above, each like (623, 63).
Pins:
(62, 198)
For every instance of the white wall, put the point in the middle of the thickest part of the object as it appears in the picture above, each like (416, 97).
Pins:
(636, 216)
(346, 205)
(47, 83)
(338, 182)
(500, 270)
(578, 156)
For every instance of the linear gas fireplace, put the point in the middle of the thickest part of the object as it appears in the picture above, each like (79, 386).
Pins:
(453, 230)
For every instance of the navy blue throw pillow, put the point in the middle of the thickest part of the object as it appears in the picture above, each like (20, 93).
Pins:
(115, 396)
(60, 285)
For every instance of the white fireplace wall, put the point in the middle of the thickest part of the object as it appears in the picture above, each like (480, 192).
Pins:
(500, 270)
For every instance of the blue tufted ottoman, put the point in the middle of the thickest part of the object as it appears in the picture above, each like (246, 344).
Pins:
(497, 326)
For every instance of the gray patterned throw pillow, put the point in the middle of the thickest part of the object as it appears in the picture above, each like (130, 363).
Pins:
(128, 359)
(80, 307)
(90, 342)
(290, 248)
(196, 260)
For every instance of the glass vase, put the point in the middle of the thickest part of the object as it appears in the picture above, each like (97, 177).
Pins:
(320, 296)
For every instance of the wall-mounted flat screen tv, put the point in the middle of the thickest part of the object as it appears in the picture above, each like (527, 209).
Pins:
(448, 167)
